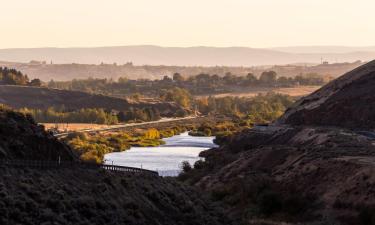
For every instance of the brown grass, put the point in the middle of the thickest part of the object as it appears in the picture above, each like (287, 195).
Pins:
(292, 91)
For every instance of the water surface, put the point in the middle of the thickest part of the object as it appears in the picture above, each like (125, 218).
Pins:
(166, 159)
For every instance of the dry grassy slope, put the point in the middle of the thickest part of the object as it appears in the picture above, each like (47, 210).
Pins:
(42, 98)
(315, 172)
(347, 102)
(309, 165)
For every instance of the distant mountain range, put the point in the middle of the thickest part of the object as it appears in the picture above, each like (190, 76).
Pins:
(324, 49)
(190, 56)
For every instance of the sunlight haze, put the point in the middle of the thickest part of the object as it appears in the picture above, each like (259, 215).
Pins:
(258, 24)
(204, 112)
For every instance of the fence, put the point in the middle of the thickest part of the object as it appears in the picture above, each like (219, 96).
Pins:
(128, 169)
(71, 164)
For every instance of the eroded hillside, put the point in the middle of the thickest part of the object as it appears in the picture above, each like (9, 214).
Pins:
(301, 169)
(347, 102)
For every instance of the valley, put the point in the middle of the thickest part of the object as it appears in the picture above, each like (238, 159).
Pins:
(187, 112)
(251, 148)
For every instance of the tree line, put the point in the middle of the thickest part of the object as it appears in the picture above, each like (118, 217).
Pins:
(258, 109)
(199, 84)
(87, 115)
(15, 77)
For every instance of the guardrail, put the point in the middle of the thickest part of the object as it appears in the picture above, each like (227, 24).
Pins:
(128, 169)
(71, 164)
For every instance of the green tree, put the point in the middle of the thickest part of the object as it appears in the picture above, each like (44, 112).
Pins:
(178, 77)
(179, 95)
(268, 77)
(251, 79)
(35, 83)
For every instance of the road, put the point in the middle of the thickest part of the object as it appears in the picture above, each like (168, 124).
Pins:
(121, 126)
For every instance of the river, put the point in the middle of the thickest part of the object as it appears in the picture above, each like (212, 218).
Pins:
(167, 158)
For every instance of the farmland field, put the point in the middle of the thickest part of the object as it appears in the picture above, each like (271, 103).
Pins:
(292, 91)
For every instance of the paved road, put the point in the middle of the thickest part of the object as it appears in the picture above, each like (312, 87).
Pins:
(121, 126)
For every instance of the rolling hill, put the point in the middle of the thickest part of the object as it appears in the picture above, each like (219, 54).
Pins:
(190, 56)
(43, 98)
(346, 102)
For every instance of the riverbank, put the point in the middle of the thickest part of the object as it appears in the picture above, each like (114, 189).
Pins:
(166, 159)
(92, 146)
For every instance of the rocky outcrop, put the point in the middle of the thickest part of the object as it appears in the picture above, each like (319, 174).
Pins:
(348, 101)
(21, 138)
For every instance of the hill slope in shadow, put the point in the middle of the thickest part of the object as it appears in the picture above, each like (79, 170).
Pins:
(43, 98)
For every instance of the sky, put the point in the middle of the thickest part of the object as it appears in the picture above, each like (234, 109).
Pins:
(184, 23)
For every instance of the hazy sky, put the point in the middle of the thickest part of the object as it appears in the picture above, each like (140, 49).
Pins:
(252, 23)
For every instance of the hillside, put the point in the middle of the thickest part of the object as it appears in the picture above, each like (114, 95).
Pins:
(346, 102)
(43, 98)
(79, 195)
(301, 170)
(67, 196)
(22, 138)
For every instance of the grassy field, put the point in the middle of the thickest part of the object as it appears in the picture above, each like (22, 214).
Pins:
(292, 91)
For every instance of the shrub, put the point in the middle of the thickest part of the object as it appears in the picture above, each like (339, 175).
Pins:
(366, 216)
(219, 194)
(181, 113)
(199, 164)
(79, 135)
(207, 132)
(152, 134)
(185, 166)
(91, 156)
(269, 202)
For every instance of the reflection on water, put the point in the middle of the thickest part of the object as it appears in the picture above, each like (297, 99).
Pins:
(165, 159)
